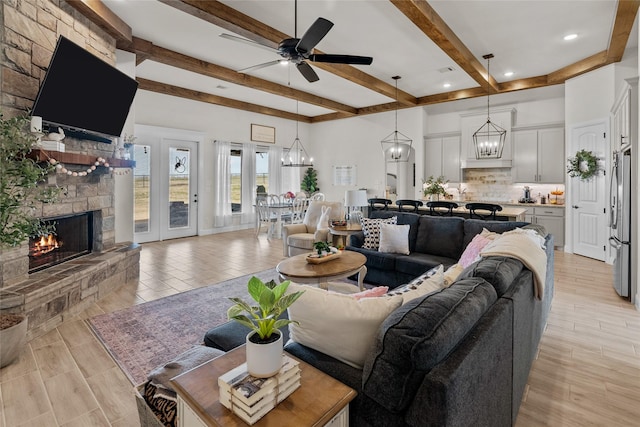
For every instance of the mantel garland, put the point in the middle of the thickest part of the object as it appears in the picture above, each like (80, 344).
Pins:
(100, 161)
(584, 165)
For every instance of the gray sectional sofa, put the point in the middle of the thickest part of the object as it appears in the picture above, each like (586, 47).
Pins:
(433, 240)
(460, 356)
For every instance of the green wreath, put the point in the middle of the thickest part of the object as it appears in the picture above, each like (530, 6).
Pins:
(583, 165)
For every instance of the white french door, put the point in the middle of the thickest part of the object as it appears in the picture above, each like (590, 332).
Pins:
(165, 184)
(589, 198)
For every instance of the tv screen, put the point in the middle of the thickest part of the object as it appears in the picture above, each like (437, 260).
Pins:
(82, 92)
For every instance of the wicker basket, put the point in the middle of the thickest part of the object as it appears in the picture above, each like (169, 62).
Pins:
(147, 417)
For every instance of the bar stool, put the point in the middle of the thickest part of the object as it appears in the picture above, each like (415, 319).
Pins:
(407, 205)
(435, 208)
(488, 210)
(374, 204)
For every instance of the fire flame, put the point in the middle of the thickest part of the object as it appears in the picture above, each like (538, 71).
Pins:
(45, 245)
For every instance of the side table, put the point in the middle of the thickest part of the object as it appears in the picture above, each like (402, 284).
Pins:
(344, 231)
(320, 400)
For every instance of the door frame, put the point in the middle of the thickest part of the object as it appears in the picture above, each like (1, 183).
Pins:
(570, 150)
(154, 136)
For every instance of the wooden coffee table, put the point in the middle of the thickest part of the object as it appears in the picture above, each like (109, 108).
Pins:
(321, 400)
(297, 269)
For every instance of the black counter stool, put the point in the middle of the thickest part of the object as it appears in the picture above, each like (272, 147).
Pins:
(436, 208)
(487, 210)
(375, 204)
(407, 205)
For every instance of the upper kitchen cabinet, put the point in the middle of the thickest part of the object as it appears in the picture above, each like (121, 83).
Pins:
(538, 155)
(622, 114)
(505, 118)
(442, 156)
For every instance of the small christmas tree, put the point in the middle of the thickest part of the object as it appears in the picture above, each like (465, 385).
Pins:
(310, 182)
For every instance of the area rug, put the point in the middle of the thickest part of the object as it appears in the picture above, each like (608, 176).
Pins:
(144, 336)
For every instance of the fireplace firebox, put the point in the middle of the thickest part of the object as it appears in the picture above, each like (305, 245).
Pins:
(73, 238)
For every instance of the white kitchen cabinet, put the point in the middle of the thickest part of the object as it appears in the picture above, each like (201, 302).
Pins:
(442, 157)
(538, 155)
(622, 113)
(551, 217)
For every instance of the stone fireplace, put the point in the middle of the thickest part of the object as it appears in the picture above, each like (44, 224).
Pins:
(53, 277)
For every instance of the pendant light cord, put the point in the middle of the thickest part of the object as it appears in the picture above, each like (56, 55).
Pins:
(488, 85)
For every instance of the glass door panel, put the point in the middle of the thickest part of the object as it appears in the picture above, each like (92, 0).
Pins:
(179, 190)
(142, 188)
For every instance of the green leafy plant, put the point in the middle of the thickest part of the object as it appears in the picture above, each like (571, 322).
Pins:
(434, 186)
(322, 247)
(20, 179)
(272, 302)
(309, 182)
(584, 165)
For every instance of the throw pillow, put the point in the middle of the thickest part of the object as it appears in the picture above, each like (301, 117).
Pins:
(430, 281)
(371, 230)
(491, 235)
(394, 239)
(378, 291)
(338, 325)
(452, 273)
(472, 252)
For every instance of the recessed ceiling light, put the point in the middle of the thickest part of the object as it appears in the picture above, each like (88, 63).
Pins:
(447, 85)
(570, 36)
(508, 74)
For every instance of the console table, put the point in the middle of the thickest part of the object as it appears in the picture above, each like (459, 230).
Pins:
(320, 400)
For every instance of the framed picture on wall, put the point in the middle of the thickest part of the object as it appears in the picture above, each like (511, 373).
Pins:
(260, 133)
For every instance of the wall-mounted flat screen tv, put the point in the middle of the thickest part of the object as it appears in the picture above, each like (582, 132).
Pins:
(82, 92)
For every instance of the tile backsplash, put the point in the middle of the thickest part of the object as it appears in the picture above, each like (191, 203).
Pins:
(496, 185)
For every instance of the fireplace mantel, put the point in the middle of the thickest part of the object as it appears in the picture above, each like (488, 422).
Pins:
(40, 155)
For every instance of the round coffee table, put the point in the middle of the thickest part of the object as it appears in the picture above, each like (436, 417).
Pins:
(297, 269)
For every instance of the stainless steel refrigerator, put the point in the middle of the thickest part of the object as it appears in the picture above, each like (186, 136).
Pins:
(620, 221)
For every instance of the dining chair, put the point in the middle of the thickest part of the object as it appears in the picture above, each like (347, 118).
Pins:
(441, 208)
(487, 210)
(375, 204)
(407, 205)
(317, 196)
(264, 218)
(298, 209)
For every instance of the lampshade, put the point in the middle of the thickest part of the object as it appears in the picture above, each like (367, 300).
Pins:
(396, 146)
(489, 139)
(355, 198)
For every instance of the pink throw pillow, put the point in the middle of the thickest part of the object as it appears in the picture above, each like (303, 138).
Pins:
(472, 251)
(378, 291)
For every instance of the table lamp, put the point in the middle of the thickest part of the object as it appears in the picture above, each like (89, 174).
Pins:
(354, 200)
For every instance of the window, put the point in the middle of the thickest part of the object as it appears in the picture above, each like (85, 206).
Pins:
(235, 167)
(262, 170)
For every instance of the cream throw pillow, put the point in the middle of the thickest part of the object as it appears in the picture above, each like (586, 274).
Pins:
(338, 325)
(426, 283)
(394, 239)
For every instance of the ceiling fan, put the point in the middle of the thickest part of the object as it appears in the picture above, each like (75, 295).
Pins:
(298, 50)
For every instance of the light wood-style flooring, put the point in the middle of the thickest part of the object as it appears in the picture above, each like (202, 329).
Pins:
(587, 372)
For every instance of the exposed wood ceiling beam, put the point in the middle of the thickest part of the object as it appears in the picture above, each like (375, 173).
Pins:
(430, 23)
(195, 95)
(230, 19)
(625, 15)
(103, 17)
(179, 60)
(588, 64)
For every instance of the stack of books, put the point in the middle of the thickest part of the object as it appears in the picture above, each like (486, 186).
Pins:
(251, 398)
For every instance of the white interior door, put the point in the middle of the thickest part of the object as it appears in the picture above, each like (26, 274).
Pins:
(165, 184)
(589, 199)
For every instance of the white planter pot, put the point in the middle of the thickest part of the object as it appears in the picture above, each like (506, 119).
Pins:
(12, 341)
(264, 360)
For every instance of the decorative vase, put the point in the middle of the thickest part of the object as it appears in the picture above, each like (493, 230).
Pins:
(12, 341)
(264, 360)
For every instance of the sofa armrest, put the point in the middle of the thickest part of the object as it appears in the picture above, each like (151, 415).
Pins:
(356, 239)
(289, 229)
(226, 336)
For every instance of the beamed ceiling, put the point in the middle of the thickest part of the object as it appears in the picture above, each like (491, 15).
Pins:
(428, 43)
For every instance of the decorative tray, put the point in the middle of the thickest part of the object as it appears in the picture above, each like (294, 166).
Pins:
(317, 259)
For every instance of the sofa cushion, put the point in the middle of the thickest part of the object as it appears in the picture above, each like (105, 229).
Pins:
(475, 226)
(380, 260)
(417, 263)
(371, 229)
(419, 335)
(441, 236)
(394, 239)
(338, 324)
(500, 271)
(301, 240)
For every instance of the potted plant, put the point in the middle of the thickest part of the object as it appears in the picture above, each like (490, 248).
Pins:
(264, 342)
(433, 188)
(13, 337)
(309, 182)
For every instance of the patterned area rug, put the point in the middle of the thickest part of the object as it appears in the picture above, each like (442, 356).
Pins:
(147, 335)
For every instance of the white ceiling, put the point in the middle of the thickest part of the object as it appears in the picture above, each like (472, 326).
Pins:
(526, 37)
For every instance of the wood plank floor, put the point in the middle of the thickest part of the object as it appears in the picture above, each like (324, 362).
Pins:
(587, 372)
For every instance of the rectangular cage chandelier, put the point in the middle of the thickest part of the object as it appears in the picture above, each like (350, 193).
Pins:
(489, 139)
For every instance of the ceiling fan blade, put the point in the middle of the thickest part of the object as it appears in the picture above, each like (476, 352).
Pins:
(307, 72)
(263, 65)
(314, 34)
(342, 59)
(247, 41)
